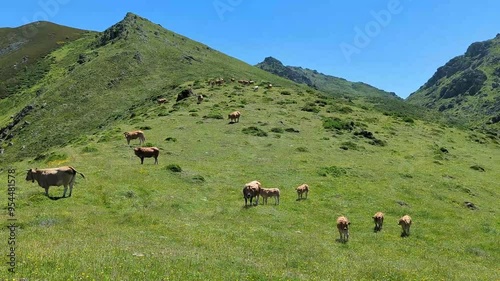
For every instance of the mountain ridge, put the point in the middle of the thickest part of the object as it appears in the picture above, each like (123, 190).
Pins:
(467, 87)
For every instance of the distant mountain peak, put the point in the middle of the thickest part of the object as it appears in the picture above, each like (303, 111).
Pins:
(467, 86)
(320, 81)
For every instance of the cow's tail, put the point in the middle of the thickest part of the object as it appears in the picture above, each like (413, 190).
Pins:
(76, 172)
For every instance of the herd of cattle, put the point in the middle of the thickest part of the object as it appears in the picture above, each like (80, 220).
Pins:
(66, 175)
(254, 189)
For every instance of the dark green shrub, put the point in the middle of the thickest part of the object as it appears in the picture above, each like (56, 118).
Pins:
(333, 171)
(174, 168)
(254, 131)
(337, 124)
(277, 130)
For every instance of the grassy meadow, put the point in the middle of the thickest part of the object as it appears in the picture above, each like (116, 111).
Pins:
(127, 221)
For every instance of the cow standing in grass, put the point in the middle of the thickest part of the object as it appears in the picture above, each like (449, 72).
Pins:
(405, 222)
(270, 192)
(301, 190)
(147, 152)
(234, 116)
(378, 219)
(65, 175)
(135, 135)
(251, 190)
(343, 227)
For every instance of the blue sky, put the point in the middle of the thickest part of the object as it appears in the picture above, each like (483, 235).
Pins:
(395, 45)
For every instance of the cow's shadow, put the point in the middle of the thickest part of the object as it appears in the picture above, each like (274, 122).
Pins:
(55, 198)
(342, 241)
(300, 199)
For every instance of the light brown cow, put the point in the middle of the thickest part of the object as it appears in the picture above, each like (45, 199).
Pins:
(200, 98)
(378, 218)
(301, 190)
(132, 135)
(270, 192)
(343, 227)
(161, 101)
(147, 152)
(65, 175)
(251, 190)
(234, 116)
(405, 222)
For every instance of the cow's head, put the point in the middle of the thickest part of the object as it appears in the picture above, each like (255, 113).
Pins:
(30, 175)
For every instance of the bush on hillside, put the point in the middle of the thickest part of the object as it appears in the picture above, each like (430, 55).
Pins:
(254, 131)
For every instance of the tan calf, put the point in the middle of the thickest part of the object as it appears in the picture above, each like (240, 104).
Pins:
(135, 135)
(405, 222)
(301, 190)
(378, 218)
(343, 227)
(270, 192)
(234, 116)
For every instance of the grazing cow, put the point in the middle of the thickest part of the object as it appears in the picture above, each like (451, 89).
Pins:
(200, 98)
(269, 86)
(135, 135)
(405, 222)
(301, 189)
(256, 88)
(343, 227)
(251, 82)
(161, 101)
(270, 192)
(251, 190)
(234, 116)
(378, 218)
(65, 175)
(147, 152)
(232, 79)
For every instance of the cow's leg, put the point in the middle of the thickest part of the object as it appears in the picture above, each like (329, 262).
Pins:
(156, 160)
(142, 160)
(70, 189)
(65, 188)
(46, 191)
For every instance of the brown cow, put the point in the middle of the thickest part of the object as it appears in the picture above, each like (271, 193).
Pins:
(301, 189)
(200, 98)
(378, 218)
(251, 190)
(270, 192)
(234, 116)
(135, 135)
(65, 175)
(405, 222)
(162, 100)
(343, 227)
(147, 152)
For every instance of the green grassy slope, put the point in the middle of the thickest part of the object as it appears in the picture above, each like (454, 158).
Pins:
(22, 47)
(127, 221)
(98, 79)
(467, 88)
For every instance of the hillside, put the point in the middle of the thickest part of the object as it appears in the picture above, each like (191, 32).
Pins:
(133, 62)
(22, 48)
(381, 100)
(467, 88)
(185, 219)
(320, 81)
